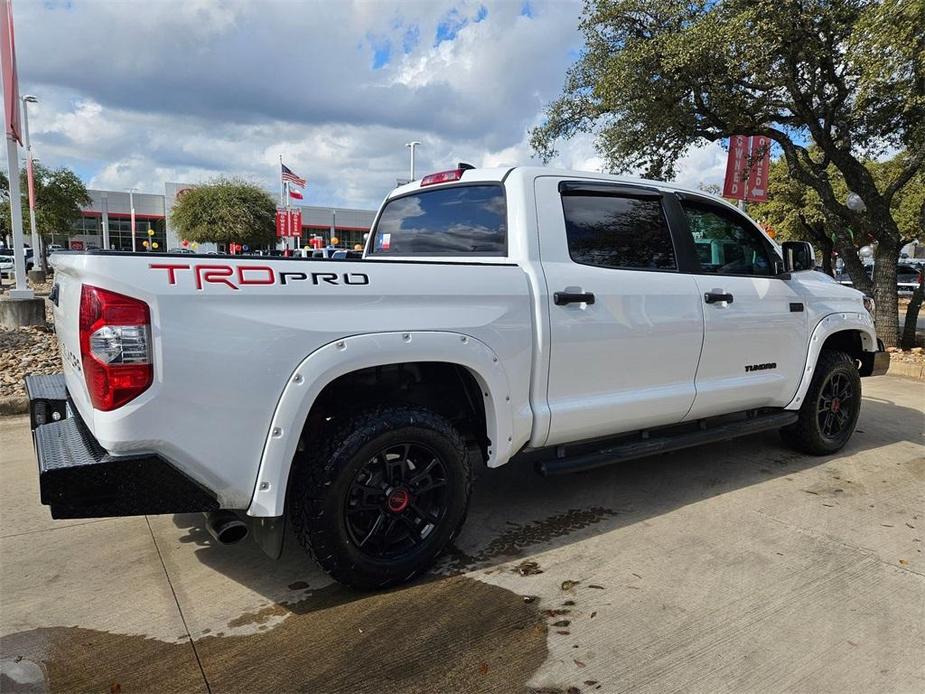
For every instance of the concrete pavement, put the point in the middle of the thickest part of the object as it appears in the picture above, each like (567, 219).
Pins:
(736, 567)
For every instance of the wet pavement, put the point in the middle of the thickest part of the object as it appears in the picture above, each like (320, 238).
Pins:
(736, 567)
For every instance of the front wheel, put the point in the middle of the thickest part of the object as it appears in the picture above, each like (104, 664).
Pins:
(830, 410)
(382, 496)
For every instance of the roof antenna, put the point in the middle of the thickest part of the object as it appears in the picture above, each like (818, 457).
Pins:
(464, 166)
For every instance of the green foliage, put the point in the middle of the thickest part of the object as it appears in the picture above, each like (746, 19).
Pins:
(226, 210)
(59, 195)
(848, 76)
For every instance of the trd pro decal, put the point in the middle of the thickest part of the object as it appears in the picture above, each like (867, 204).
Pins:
(238, 276)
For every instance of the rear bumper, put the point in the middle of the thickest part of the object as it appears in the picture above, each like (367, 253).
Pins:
(79, 479)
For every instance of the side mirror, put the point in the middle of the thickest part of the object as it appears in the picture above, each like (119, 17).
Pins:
(798, 255)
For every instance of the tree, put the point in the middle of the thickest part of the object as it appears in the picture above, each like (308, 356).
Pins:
(844, 76)
(796, 212)
(225, 211)
(59, 195)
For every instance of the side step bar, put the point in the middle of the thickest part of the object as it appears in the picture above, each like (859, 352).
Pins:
(665, 443)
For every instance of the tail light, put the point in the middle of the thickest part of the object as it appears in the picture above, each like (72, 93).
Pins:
(114, 347)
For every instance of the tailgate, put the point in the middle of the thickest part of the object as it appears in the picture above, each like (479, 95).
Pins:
(66, 299)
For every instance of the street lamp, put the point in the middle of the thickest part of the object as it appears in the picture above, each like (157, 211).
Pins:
(412, 145)
(36, 250)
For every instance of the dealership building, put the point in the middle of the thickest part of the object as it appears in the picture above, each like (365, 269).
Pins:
(109, 215)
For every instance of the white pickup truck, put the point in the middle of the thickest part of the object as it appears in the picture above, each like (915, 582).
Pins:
(563, 319)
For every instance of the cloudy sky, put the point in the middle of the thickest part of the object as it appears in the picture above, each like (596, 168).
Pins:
(135, 93)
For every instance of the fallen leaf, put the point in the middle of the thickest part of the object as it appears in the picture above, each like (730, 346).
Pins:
(595, 586)
(483, 668)
(590, 683)
(593, 615)
(569, 603)
(561, 623)
(569, 584)
(578, 662)
(903, 562)
(564, 633)
(528, 568)
(555, 613)
(573, 690)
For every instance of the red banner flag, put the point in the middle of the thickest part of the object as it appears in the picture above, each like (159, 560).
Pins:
(736, 168)
(288, 223)
(11, 105)
(760, 165)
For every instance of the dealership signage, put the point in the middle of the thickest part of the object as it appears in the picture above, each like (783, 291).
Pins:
(747, 168)
(288, 223)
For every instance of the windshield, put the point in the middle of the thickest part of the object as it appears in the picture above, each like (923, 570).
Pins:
(459, 220)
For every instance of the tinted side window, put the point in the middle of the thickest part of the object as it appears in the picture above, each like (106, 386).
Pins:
(618, 232)
(724, 244)
(460, 220)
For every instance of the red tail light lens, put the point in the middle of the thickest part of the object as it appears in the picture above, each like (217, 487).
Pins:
(114, 347)
(442, 177)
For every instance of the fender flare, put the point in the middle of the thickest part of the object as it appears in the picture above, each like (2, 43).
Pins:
(343, 356)
(829, 325)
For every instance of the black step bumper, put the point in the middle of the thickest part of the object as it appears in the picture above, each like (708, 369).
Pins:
(79, 479)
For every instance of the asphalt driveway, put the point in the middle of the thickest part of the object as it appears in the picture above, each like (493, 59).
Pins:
(736, 567)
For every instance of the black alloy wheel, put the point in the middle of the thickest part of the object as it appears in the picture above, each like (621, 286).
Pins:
(830, 407)
(396, 500)
(380, 494)
(834, 405)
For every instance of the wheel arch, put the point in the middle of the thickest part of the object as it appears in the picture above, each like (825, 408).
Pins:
(358, 353)
(852, 333)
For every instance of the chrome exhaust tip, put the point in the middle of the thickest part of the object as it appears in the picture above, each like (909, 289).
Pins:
(226, 527)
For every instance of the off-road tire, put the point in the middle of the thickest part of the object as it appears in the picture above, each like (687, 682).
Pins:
(807, 434)
(322, 482)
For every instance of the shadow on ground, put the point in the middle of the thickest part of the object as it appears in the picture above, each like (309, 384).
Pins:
(515, 511)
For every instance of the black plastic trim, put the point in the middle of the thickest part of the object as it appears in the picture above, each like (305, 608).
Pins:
(79, 479)
(874, 363)
(601, 188)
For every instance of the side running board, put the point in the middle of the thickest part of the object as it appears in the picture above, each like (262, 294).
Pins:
(665, 443)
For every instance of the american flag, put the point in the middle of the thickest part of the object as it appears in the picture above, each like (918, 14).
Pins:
(287, 175)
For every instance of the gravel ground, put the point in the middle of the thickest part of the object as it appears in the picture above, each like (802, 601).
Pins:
(32, 350)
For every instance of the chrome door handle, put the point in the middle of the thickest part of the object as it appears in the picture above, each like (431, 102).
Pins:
(713, 297)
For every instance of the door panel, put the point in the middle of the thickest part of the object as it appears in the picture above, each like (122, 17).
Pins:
(757, 330)
(628, 360)
(754, 337)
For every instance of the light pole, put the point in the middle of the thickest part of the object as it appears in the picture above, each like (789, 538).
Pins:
(412, 145)
(131, 206)
(36, 248)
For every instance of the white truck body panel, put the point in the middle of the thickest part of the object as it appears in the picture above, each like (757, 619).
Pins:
(239, 359)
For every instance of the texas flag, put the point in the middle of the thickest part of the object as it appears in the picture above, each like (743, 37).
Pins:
(296, 194)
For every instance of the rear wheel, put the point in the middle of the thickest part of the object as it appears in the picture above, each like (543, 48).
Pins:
(378, 503)
(831, 407)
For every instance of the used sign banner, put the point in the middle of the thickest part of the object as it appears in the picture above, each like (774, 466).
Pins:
(747, 168)
(288, 223)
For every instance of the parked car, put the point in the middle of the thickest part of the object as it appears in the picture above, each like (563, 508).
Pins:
(908, 276)
(560, 319)
(7, 266)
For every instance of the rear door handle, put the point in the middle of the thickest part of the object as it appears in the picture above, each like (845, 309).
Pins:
(565, 298)
(713, 297)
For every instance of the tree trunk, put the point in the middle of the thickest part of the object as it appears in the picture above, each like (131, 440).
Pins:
(884, 293)
(912, 314)
(827, 247)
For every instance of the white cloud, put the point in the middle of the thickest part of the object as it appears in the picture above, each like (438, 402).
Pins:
(134, 94)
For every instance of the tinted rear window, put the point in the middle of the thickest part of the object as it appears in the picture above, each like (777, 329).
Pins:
(460, 220)
(618, 232)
